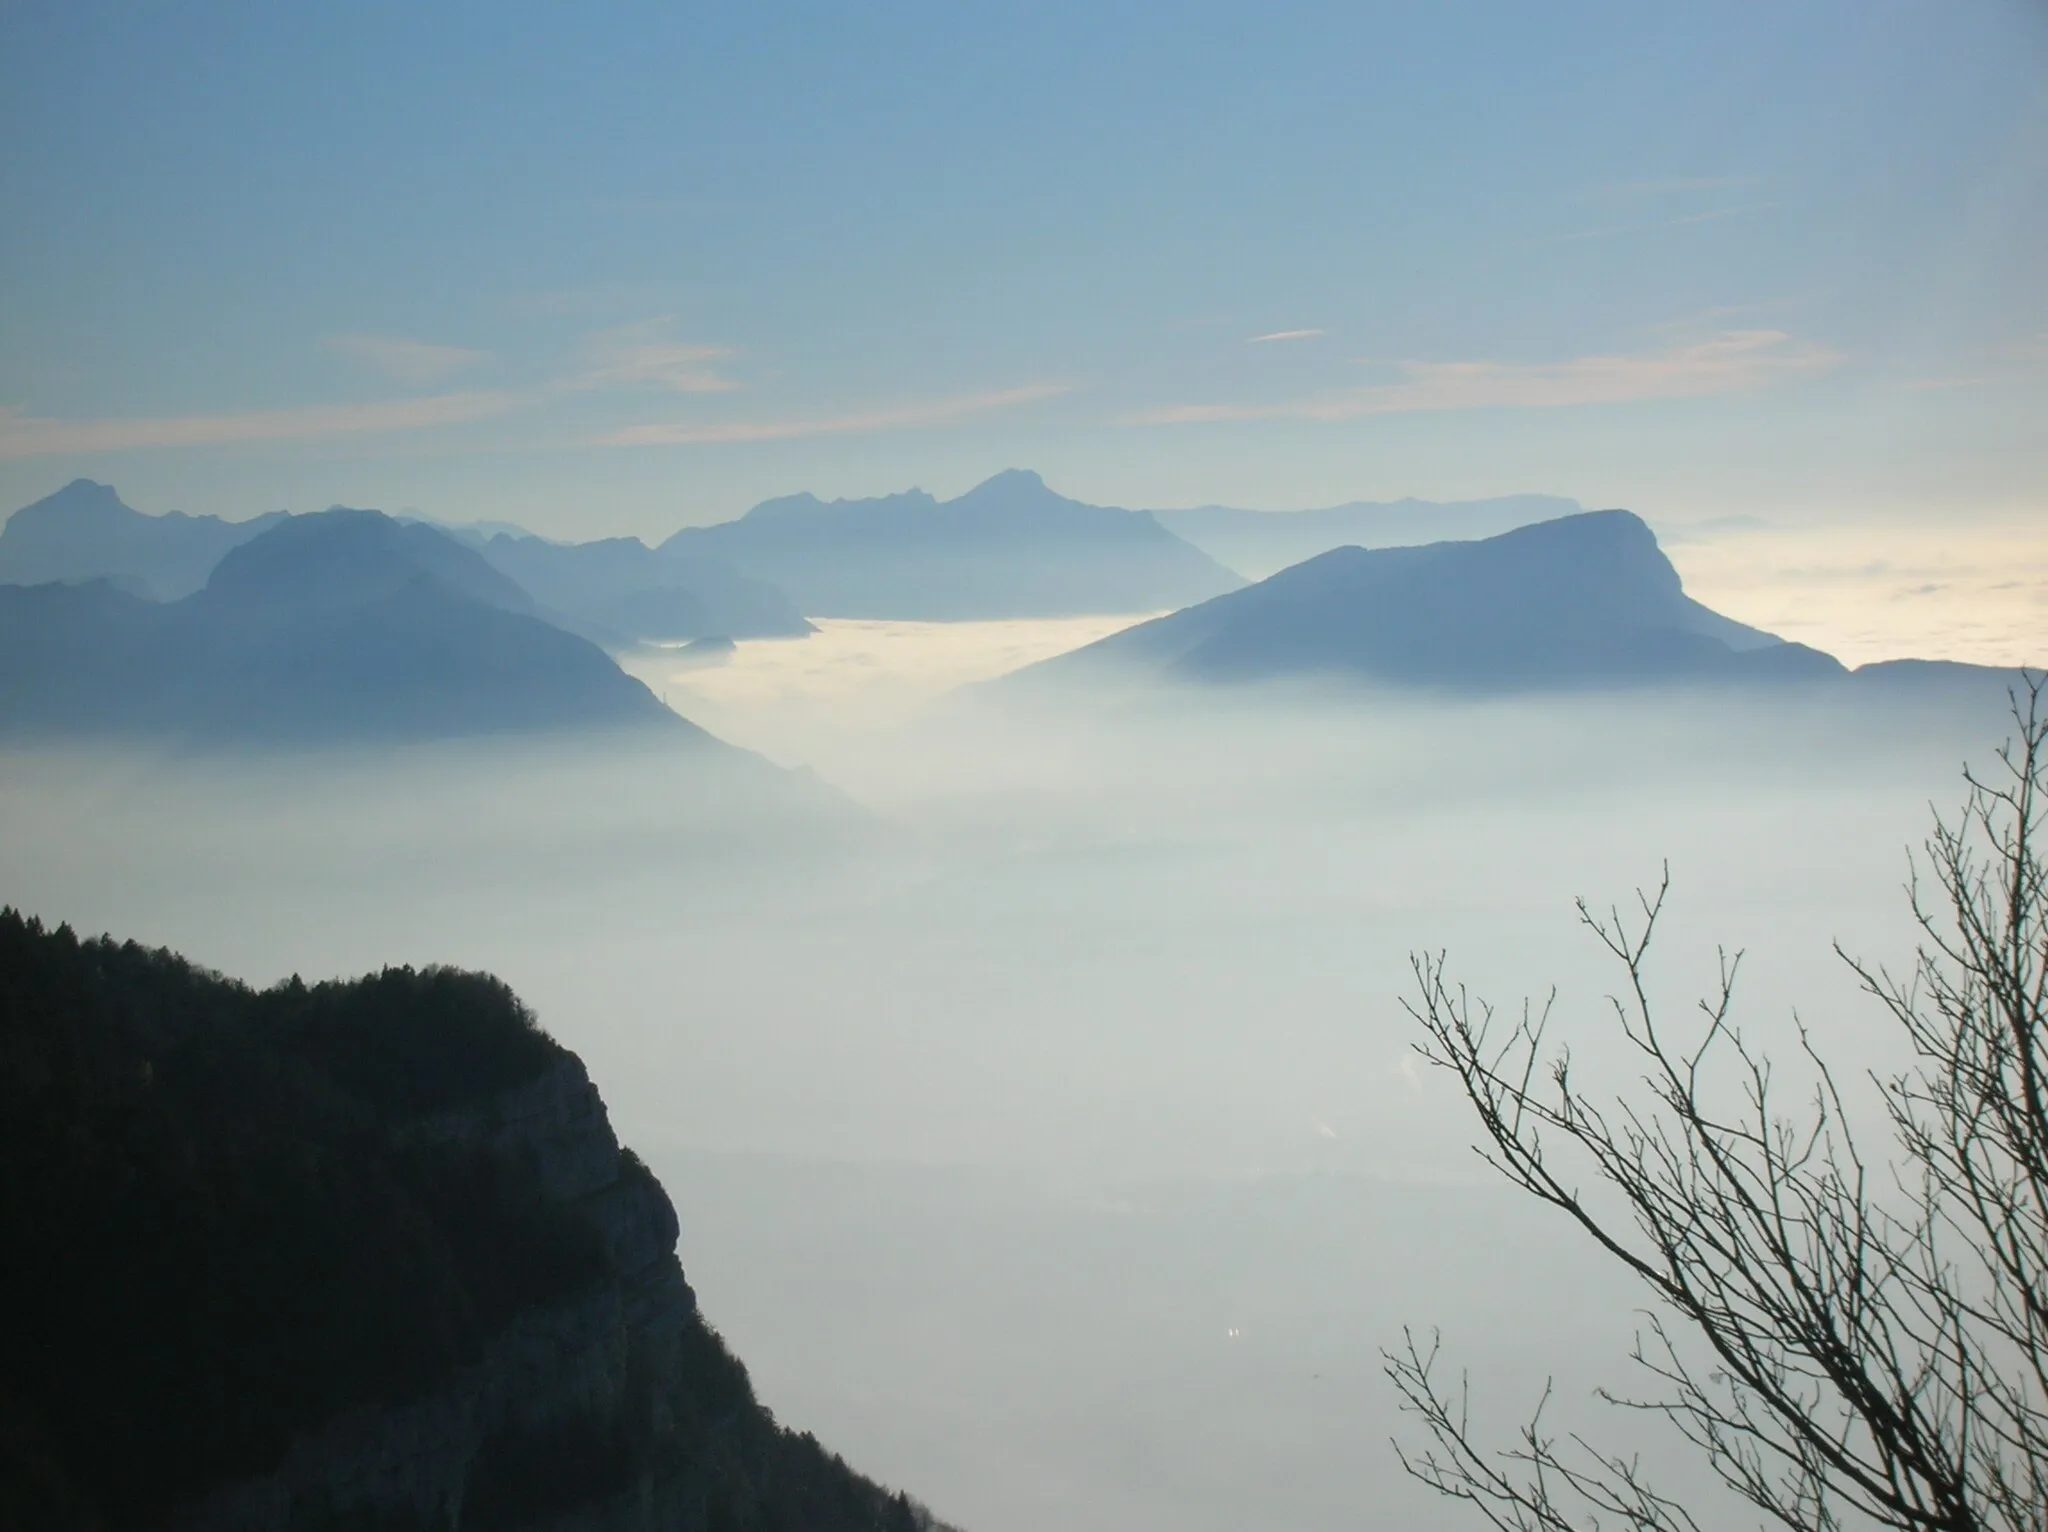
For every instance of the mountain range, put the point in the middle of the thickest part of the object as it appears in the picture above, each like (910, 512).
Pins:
(84, 532)
(1009, 547)
(350, 625)
(619, 591)
(616, 592)
(345, 626)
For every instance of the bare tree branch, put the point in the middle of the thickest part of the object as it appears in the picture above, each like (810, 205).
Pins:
(1848, 1340)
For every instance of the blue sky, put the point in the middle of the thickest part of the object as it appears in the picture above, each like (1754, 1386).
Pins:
(610, 268)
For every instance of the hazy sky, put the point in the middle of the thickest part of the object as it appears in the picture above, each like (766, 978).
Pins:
(613, 268)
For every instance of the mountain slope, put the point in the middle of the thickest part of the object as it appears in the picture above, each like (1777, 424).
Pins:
(343, 627)
(84, 532)
(1260, 543)
(358, 1254)
(1009, 547)
(342, 558)
(1586, 600)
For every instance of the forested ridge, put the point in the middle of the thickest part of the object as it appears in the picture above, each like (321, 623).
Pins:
(216, 1234)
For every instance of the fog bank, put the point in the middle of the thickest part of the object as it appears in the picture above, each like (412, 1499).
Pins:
(993, 1110)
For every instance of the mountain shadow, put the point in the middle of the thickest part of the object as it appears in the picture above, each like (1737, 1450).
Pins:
(342, 627)
(349, 1255)
(1009, 547)
(84, 532)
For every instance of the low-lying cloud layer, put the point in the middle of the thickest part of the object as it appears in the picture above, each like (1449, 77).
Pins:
(1973, 593)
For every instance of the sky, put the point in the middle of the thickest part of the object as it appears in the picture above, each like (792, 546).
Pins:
(617, 268)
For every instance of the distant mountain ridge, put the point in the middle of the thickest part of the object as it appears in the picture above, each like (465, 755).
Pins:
(616, 592)
(1009, 547)
(85, 532)
(341, 627)
(1584, 601)
(625, 592)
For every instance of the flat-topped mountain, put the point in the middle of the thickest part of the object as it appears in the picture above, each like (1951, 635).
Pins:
(357, 1254)
(1260, 543)
(84, 532)
(1586, 600)
(342, 627)
(1010, 547)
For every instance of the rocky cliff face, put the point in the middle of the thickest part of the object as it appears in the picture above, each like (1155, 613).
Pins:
(576, 1373)
(574, 1419)
(350, 1256)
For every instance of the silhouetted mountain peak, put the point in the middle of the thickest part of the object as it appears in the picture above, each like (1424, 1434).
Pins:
(346, 557)
(1600, 546)
(1585, 529)
(1011, 481)
(347, 626)
(1586, 599)
(806, 507)
(1261, 543)
(1009, 547)
(1019, 496)
(85, 532)
(82, 500)
(1609, 555)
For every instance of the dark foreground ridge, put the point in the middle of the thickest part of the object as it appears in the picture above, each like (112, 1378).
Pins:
(353, 1255)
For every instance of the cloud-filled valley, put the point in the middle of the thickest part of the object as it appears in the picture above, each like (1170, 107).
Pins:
(1042, 1117)
(901, 768)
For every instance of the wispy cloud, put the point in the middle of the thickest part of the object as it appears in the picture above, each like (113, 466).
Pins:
(1713, 214)
(1662, 186)
(1731, 362)
(1683, 220)
(24, 436)
(909, 417)
(646, 355)
(623, 360)
(1260, 340)
(404, 361)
